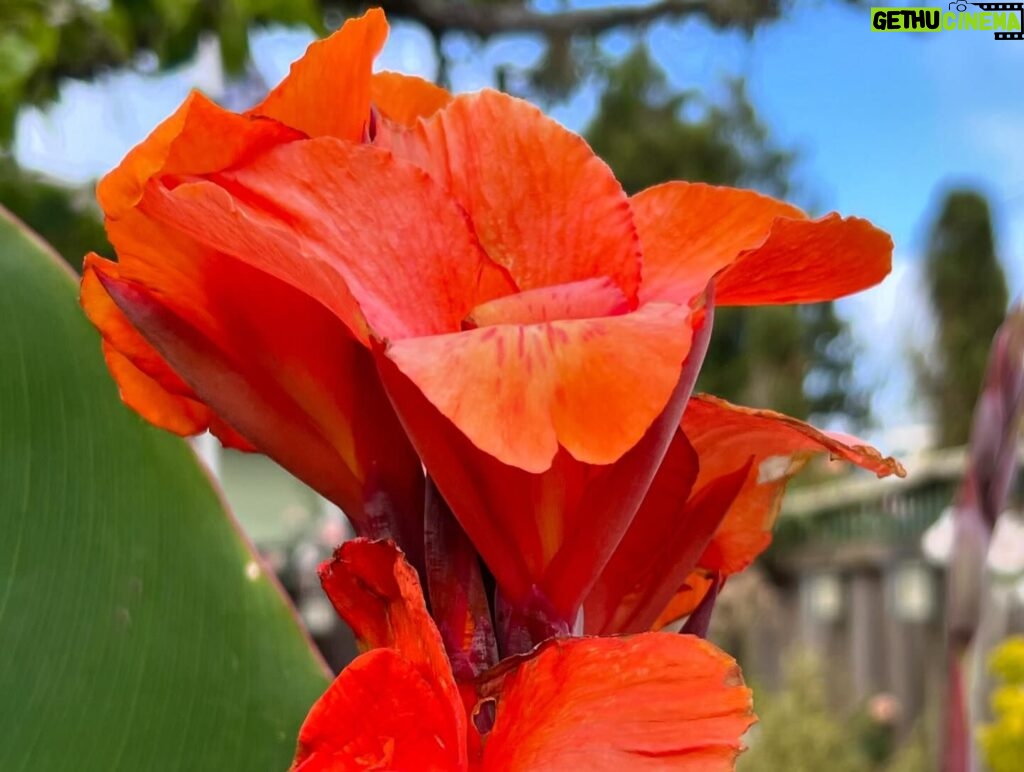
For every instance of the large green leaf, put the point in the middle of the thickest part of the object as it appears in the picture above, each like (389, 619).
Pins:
(136, 630)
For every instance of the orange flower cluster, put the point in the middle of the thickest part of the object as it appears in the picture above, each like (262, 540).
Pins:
(364, 277)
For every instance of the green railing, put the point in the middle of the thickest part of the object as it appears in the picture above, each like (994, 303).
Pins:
(896, 517)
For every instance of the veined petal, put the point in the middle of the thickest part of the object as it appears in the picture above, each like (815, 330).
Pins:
(543, 205)
(181, 146)
(646, 702)
(726, 437)
(368, 235)
(760, 250)
(592, 386)
(380, 713)
(327, 91)
(404, 99)
(544, 535)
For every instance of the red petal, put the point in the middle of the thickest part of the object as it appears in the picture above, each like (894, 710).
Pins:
(663, 544)
(620, 588)
(762, 251)
(404, 99)
(284, 374)
(146, 382)
(182, 145)
(177, 414)
(651, 701)
(381, 713)
(327, 92)
(687, 598)
(379, 595)
(544, 206)
(341, 222)
(592, 386)
(725, 437)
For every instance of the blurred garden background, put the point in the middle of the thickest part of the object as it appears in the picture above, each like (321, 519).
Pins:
(840, 626)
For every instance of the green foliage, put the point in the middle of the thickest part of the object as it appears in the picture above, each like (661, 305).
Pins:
(138, 632)
(649, 133)
(797, 731)
(1002, 741)
(68, 219)
(969, 296)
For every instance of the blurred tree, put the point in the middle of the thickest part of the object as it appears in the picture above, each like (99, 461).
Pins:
(969, 296)
(797, 360)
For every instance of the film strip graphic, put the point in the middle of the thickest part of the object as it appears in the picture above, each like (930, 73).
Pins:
(1018, 7)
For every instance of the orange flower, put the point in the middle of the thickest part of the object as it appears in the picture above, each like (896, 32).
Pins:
(644, 702)
(356, 242)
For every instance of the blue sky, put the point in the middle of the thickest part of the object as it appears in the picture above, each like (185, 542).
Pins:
(883, 123)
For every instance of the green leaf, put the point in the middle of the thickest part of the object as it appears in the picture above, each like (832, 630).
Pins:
(137, 632)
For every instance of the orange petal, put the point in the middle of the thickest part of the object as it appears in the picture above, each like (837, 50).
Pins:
(650, 701)
(593, 386)
(584, 299)
(726, 436)
(404, 99)
(327, 91)
(543, 205)
(381, 713)
(340, 222)
(182, 145)
(545, 534)
(762, 251)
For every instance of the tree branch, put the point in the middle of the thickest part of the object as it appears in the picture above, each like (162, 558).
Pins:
(486, 20)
